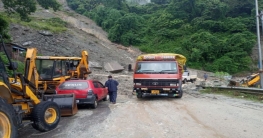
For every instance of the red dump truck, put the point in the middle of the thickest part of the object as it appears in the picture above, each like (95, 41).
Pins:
(159, 74)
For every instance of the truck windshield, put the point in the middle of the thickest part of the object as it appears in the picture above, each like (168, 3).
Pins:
(156, 67)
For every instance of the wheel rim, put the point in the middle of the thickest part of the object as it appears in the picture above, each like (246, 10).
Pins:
(50, 115)
(5, 126)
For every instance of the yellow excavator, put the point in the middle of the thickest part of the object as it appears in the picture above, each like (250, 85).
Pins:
(251, 81)
(19, 100)
(45, 73)
(77, 67)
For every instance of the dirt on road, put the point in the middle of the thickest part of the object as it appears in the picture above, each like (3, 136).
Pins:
(194, 115)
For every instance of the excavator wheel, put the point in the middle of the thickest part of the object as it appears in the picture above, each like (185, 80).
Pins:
(45, 116)
(8, 121)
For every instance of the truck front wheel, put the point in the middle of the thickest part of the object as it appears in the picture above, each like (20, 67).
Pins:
(180, 94)
(139, 95)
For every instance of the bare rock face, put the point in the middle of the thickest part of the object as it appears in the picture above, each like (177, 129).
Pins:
(46, 33)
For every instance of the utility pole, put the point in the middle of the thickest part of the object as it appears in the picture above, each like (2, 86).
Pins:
(259, 46)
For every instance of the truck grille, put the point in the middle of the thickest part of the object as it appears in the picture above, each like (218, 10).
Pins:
(160, 82)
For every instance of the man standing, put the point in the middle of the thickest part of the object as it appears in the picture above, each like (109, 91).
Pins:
(112, 84)
(205, 76)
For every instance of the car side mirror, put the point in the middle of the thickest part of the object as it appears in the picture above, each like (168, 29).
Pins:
(13, 66)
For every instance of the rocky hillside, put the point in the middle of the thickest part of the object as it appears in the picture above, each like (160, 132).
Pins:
(82, 34)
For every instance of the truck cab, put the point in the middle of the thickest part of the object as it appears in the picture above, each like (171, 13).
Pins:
(158, 74)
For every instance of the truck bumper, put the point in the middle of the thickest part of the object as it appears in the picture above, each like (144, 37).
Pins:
(170, 92)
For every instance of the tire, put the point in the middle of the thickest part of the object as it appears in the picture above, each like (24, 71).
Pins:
(139, 95)
(39, 118)
(8, 120)
(180, 94)
(95, 104)
(105, 99)
(184, 81)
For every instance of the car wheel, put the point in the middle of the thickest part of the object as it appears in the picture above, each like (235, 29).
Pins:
(105, 99)
(95, 104)
(45, 116)
(8, 120)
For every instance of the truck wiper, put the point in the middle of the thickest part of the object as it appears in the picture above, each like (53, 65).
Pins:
(167, 70)
(144, 70)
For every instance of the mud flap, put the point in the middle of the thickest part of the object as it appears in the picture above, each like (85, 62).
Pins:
(66, 102)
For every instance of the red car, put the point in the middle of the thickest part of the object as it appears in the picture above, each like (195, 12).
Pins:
(86, 91)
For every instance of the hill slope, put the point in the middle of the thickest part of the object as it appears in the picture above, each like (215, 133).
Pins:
(82, 34)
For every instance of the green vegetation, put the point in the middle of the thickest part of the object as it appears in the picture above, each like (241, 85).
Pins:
(234, 94)
(214, 35)
(26, 8)
(54, 25)
(21, 65)
(18, 12)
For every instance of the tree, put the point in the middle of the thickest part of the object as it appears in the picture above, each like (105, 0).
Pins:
(25, 8)
(3, 27)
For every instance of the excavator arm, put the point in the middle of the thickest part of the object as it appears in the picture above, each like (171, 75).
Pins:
(30, 67)
(83, 67)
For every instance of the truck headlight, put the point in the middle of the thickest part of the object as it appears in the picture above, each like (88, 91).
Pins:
(138, 83)
(173, 84)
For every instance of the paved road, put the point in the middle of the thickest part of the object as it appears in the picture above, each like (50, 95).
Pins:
(192, 116)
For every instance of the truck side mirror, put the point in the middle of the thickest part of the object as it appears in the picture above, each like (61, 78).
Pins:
(14, 67)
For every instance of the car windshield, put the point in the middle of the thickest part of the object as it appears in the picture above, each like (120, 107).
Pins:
(78, 85)
(156, 67)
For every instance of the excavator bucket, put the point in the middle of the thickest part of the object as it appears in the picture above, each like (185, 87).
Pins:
(66, 102)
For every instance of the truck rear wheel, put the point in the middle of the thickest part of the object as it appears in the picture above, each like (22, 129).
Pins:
(8, 121)
(45, 116)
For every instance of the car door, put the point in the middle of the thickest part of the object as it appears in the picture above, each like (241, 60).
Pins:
(104, 91)
(96, 89)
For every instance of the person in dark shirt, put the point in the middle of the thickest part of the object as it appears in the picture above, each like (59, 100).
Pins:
(205, 76)
(112, 86)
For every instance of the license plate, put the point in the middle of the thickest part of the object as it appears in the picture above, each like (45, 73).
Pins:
(155, 92)
(77, 101)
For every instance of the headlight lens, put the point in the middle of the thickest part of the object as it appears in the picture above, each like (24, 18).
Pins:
(173, 84)
(138, 83)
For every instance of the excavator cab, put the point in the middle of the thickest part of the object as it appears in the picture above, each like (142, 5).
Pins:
(49, 69)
